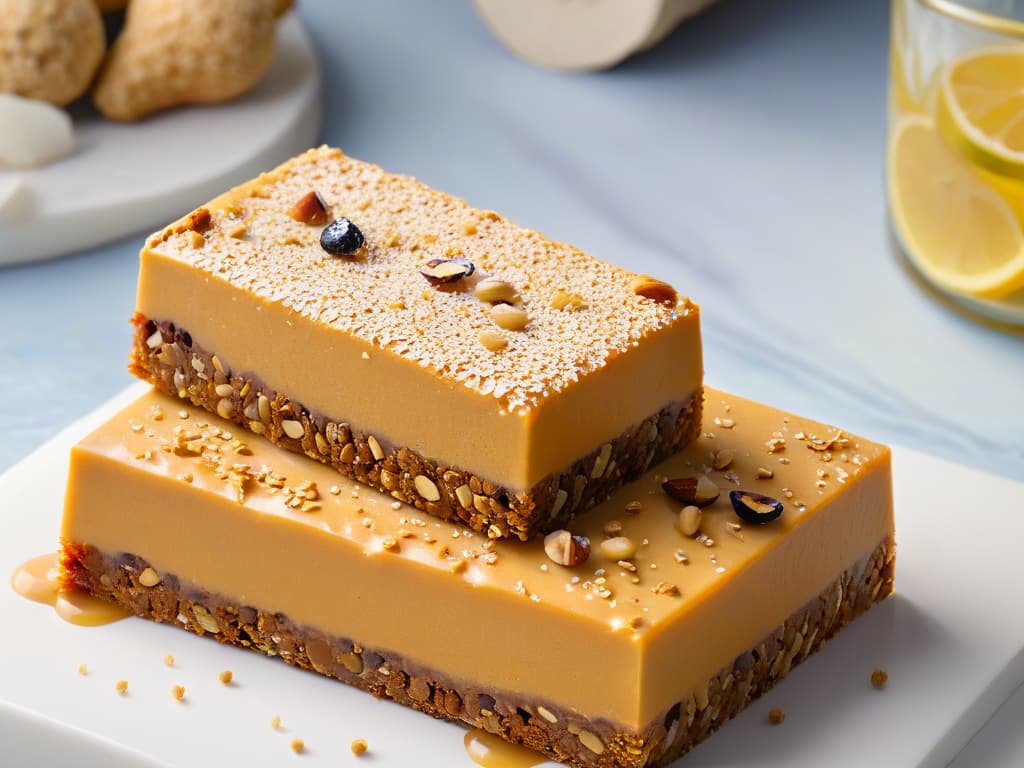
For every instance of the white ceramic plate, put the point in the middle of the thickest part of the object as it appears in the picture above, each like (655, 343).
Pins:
(952, 640)
(126, 178)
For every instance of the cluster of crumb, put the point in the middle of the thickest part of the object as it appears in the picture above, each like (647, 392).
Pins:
(380, 296)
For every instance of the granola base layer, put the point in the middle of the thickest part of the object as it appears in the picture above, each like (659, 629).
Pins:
(177, 366)
(561, 735)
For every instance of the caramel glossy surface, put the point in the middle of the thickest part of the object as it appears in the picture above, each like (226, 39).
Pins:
(605, 639)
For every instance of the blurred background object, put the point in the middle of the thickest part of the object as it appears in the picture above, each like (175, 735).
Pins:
(955, 161)
(583, 34)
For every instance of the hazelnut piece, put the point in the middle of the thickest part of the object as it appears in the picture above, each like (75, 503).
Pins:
(700, 491)
(310, 209)
(565, 549)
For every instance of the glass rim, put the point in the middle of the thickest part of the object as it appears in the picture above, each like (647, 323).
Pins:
(988, 21)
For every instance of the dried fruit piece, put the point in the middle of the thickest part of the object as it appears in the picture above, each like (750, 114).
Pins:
(656, 290)
(441, 271)
(700, 491)
(310, 209)
(755, 508)
(565, 549)
(342, 238)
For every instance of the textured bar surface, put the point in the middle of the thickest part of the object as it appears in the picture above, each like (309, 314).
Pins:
(594, 354)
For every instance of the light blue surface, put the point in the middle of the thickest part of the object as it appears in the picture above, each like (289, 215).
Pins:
(741, 160)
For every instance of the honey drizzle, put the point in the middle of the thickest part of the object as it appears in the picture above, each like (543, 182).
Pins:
(491, 752)
(39, 579)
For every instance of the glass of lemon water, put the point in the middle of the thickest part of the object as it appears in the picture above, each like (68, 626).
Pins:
(955, 157)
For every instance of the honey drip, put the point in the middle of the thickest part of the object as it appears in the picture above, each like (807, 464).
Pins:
(39, 580)
(491, 752)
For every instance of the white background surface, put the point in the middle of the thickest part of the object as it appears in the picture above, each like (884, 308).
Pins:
(741, 159)
(952, 649)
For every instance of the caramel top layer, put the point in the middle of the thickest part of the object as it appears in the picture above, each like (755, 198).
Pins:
(623, 635)
(582, 312)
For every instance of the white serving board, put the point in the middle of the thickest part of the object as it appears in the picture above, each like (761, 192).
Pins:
(126, 178)
(952, 640)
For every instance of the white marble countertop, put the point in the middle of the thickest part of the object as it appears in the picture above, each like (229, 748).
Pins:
(741, 160)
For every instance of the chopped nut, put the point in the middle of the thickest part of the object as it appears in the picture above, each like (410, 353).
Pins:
(568, 302)
(178, 692)
(776, 716)
(359, 747)
(612, 529)
(465, 496)
(275, 722)
(618, 548)
(263, 408)
(701, 491)
(83, 669)
(225, 407)
(205, 619)
(763, 473)
(493, 532)
(547, 714)
(293, 429)
(508, 317)
(122, 687)
(665, 588)
(169, 660)
(224, 390)
(634, 507)
(375, 448)
(226, 677)
(441, 271)
(689, 520)
(723, 459)
(656, 290)
(390, 543)
(426, 488)
(495, 291)
(565, 549)
(149, 577)
(297, 745)
(601, 462)
(493, 340)
(879, 677)
(155, 339)
(310, 209)
(591, 742)
(681, 557)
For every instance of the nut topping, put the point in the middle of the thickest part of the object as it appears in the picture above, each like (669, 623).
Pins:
(689, 520)
(755, 508)
(568, 302)
(692, 490)
(656, 290)
(618, 548)
(495, 291)
(310, 209)
(508, 317)
(565, 549)
(493, 340)
(441, 271)
(342, 238)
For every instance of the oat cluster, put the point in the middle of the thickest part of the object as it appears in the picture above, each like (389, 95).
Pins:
(382, 297)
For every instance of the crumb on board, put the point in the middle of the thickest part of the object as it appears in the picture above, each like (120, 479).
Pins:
(122, 687)
(297, 745)
(879, 677)
(178, 692)
(776, 716)
(359, 747)
(226, 677)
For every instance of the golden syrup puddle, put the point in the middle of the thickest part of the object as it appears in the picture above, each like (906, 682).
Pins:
(491, 752)
(39, 580)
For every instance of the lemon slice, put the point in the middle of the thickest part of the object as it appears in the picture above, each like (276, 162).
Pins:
(959, 232)
(981, 108)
